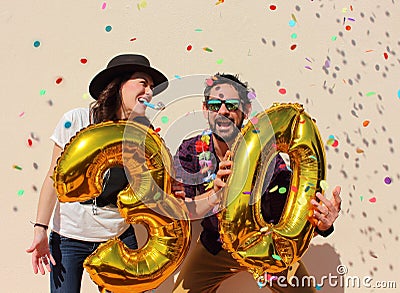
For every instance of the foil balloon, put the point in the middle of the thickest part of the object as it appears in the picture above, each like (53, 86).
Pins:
(257, 245)
(147, 200)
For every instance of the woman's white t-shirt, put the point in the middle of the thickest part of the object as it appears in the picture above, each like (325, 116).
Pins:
(75, 220)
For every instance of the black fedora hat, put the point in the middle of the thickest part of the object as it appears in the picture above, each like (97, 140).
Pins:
(126, 63)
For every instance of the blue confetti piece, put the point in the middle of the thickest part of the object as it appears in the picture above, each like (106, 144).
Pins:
(67, 124)
(292, 23)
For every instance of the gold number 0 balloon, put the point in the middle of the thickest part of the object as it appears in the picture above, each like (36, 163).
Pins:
(256, 244)
(78, 177)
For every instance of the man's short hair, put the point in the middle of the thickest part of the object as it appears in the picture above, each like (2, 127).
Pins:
(233, 80)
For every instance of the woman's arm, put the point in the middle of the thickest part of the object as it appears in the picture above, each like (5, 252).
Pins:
(47, 200)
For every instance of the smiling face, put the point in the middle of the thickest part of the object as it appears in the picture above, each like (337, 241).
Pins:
(223, 123)
(139, 86)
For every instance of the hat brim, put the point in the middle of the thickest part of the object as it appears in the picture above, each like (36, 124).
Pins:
(103, 78)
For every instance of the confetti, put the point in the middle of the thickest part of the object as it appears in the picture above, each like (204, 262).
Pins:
(164, 119)
(36, 44)
(348, 27)
(20, 192)
(30, 142)
(277, 257)
(67, 124)
(293, 36)
(83, 60)
(372, 199)
(366, 123)
(282, 91)
(108, 28)
(158, 129)
(42, 92)
(388, 180)
(370, 94)
(292, 47)
(21, 114)
(251, 95)
(59, 80)
(294, 188)
(386, 56)
(219, 61)
(209, 81)
(282, 190)
(324, 185)
(142, 4)
(273, 189)
(292, 23)
(334, 38)
(398, 94)
(198, 30)
(246, 192)
(359, 150)
(256, 131)
(307, 188)
(254, 120)
(17, 167)
(189, 48)
(177, 76)
(133, 39)
(272, 7)
(206, 49)
(104, 5)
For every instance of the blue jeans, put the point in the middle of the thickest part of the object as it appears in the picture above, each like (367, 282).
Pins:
(69, 254)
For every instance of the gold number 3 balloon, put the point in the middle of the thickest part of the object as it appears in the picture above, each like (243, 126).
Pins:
(256, 244)
(147, 200)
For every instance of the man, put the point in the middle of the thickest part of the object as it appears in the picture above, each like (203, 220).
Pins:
(202, 164)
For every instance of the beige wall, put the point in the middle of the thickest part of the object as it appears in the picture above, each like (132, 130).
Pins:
(246, 37)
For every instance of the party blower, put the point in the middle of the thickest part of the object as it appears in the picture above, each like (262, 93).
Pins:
(160, 105)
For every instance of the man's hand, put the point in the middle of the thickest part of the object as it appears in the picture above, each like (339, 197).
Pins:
(326, 211)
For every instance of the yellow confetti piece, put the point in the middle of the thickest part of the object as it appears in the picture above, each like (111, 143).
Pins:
(324, 185)
(275, 188)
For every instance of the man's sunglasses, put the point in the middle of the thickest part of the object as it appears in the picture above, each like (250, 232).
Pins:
(215, 105)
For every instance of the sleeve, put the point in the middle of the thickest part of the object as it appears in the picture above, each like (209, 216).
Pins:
(185, 164)
(68, 126)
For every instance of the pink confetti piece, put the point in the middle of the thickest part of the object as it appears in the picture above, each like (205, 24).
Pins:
(104, 5)
(372, 199)
(21, 114)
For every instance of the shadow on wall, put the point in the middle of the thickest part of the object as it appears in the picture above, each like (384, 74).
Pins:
(320, 260)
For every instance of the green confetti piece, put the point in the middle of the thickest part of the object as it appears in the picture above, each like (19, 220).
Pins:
(157, 196)
(294, 36)
(198, 30)
(370, 94)
(164, 119)
(219, 61)
(282, 190)
(17, 167)
(207, 49)
(361, 198)
(20, 192)
(42, 92)
(333, 38)
(277, 257)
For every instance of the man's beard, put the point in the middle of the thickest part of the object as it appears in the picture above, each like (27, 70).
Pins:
(228, 138)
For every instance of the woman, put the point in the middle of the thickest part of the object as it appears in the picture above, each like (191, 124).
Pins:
(77, 229)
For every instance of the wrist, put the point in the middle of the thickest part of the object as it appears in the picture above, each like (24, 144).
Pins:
(325, 233)
(41, 226)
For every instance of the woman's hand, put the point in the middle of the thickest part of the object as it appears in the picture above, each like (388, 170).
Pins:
(41, 256)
